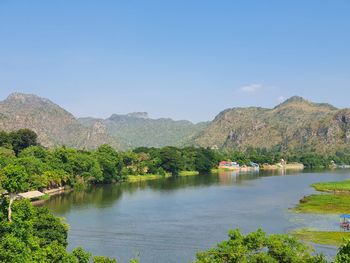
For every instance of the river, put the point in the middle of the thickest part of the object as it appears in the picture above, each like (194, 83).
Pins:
(169, 220)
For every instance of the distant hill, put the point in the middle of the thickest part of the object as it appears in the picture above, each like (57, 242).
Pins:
(54, 125)
(295, 124)
(137, 129)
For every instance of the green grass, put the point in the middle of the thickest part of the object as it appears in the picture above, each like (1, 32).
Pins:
(343, 186)
(324, 203)
(145, 177)
(321, 237)
(44, 197)
(188, 173)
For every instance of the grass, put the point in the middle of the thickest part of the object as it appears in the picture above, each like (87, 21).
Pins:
(321, 237)
(188, 173)
(44, 197)
(145, 177)
(324, 203)
(343, 186)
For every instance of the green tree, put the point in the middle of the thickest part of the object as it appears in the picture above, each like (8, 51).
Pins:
(6, 156)
(38, 152)
(13, 250)
(22, 139)
(15, 180)
(343, 254)
(205, 160)
(81, 255)
(171, 160)
(109, 162)
(5, 140)
(258, 247)
(102, 259)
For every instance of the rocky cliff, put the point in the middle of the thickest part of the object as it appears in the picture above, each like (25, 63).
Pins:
(296, 124)
(54, 125)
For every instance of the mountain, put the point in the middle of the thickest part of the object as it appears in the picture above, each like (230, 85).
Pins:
(54, 125)
(295, 124)
(137, 129)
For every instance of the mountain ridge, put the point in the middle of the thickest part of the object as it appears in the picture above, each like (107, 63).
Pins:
(54, 125)
(294, 124)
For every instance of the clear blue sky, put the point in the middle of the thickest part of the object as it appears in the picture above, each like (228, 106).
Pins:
(182, 59)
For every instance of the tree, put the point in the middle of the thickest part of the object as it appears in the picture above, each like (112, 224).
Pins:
(15, 180)
(257, 247)
(22, 139)
(205, 160)
(35, 151)
(343, 254)
(109, 162)
(12, 249)
(81, 255)
(171, 160)
(101, 259)
(49, 228)
(6, 156)
(5, 140)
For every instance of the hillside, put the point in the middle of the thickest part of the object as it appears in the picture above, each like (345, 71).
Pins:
(54, 125)
(295, 124)
(137, 129)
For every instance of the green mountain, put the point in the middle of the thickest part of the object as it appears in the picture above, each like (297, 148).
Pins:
(137, 129)
(54, 125)
(296, 124)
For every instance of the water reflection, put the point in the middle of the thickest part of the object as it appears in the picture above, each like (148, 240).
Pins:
(173, 218)
(105, 195)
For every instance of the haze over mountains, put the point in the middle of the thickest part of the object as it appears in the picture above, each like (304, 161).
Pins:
(295, 124)
(137, 129)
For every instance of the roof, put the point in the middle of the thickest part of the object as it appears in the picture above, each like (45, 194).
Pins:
(345, 216)
(31, 194)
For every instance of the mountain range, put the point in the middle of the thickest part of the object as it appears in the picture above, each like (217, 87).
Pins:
(296, 124)
(56, 126)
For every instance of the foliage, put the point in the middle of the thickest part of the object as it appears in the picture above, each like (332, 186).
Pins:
(171, 160)
(258, 247)
(18, 140)
(14, 178)
(61, 166)
(81, 255)
(343, 254)
(101, 259)
(35, 235)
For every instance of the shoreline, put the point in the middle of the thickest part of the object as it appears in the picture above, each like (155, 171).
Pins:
(331, 198)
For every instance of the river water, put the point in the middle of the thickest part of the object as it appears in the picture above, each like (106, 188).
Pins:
(169, 220)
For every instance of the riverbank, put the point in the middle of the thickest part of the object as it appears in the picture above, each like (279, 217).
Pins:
(145, 177)
(333, 187)
(321, 237)
(334, 200)
(324, 203)
(279, 166)
(188, 173)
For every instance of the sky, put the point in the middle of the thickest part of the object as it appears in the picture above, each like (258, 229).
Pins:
(183, 59)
